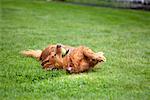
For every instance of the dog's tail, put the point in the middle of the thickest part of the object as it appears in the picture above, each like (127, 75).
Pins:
(32, 53)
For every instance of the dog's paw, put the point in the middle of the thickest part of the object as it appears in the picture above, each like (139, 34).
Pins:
(100, 57)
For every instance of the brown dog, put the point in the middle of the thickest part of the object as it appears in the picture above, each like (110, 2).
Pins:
(74, 60)
(78, 59)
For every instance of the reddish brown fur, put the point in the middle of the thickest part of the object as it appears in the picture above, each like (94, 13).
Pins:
(78, 59)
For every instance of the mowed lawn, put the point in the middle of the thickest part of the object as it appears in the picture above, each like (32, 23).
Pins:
(123, 35)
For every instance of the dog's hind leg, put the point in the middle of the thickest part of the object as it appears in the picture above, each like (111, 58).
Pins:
(89, 53)
(92, 55)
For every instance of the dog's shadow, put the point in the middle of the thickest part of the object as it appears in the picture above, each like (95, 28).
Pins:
(51, 74)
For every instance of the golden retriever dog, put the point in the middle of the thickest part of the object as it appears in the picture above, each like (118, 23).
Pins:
(72, 59)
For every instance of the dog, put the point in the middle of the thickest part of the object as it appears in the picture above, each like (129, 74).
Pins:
(72, 59)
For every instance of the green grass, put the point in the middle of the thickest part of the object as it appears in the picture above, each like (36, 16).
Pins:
(124, 36)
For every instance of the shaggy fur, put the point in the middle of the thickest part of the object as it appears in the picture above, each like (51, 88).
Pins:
(76, 60)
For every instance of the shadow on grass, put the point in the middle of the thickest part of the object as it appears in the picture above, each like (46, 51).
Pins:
(44, 75)
(37, 74)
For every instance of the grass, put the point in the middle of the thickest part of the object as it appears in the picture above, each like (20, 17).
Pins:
(124, 36)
